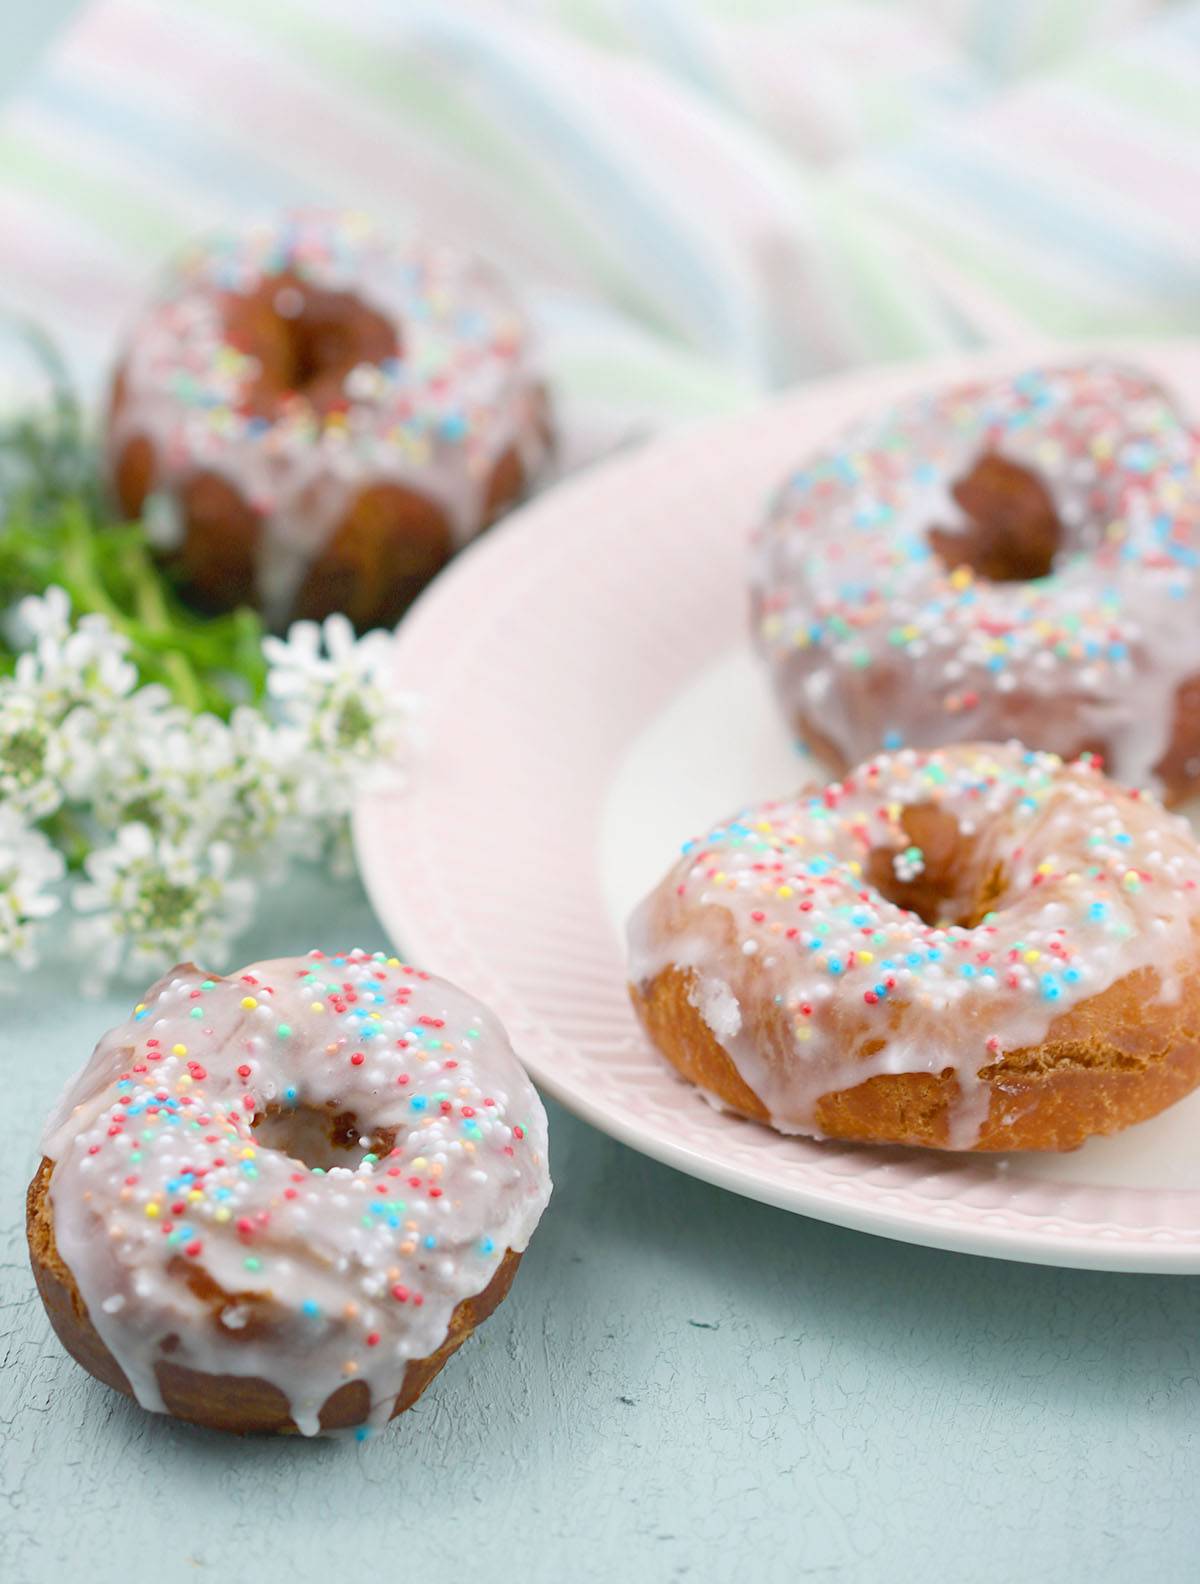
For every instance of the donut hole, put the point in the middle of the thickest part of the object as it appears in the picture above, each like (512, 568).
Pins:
(306, 340)
(1011, 532)
(320, 1137)
(938, 874)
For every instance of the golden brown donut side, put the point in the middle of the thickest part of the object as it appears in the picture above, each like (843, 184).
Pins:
(242, 1404)
(1118, 1058)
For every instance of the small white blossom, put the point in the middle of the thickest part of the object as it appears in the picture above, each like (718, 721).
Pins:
(41, 616)
(32, 757)
(154, 902)
(28, 866)
(204, 810)
(87, 663)
(267, 803)
(337, 692)
(167, 770)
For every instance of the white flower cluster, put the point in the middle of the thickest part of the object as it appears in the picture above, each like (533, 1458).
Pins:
(174, 819)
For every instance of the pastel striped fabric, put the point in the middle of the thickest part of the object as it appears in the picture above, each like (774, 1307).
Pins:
(702, 199)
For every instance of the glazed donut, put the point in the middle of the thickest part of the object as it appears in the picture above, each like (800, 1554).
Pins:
(279, 1201)
(313, 417)
(1007, 560)
(976, 947)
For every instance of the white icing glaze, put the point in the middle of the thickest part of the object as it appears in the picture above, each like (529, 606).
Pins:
(355, 1270)
(437, 419)
(813, 981)
(874, 643)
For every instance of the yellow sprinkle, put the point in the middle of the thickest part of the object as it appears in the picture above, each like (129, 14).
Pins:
(249, 1152)
(152, 1210)
(222, 1214)
(803, 1032)
(185, 1081)
(1032, 956)
(785, 891)
(141, 1007)
(866, 957)
(854, 866)
(178, 1050)
(317, 1006)
(249, 1003)
(393, 962)
(961, 578)
(1045, 868)
(195, 1194)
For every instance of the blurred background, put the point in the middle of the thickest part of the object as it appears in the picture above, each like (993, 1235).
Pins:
(701, 199)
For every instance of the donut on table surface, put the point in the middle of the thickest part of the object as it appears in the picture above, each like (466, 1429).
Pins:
(976, 947)
(1015, 559)
(313, 417)
(279, 1201)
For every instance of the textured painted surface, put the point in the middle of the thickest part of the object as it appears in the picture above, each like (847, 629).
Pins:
(683, 1385)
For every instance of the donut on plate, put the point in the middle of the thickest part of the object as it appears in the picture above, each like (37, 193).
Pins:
(1017, 558)
(279, 1201)
(313, 417)
(977, 947)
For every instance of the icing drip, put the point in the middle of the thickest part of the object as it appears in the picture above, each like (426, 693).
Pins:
(877, 641)
(435, 419)
(813, 980)
(160, 1173)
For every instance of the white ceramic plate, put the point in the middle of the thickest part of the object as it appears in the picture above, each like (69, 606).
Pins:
(591, 702)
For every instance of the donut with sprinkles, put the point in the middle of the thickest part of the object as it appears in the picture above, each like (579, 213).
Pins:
(279, 1201)
(1014, 559)
(312, 416)
(975, 948)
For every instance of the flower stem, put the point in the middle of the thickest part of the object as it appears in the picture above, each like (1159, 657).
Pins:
(66, 829)
(152, 611)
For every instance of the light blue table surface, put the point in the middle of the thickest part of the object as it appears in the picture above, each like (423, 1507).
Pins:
(683, 1385)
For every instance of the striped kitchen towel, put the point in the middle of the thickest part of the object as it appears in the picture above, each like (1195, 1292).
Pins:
(702, 199)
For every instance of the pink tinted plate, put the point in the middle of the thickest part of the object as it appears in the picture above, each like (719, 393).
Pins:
(592, 701)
